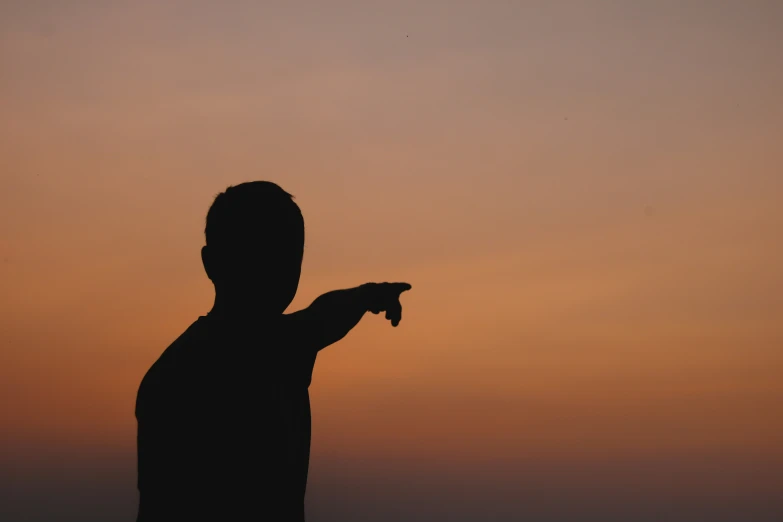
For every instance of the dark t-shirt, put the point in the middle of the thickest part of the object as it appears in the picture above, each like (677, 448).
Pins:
(224, 424)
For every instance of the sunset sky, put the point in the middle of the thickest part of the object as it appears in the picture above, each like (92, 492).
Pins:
(586, 196)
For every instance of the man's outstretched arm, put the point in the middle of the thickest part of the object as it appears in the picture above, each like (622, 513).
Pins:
(332, 315)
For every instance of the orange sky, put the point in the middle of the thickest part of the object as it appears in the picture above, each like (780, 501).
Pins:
(586, 198)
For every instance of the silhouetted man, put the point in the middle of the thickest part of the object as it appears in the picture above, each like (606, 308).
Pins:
(224, 413)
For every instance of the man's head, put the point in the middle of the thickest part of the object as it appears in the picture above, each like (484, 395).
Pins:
(254, 246)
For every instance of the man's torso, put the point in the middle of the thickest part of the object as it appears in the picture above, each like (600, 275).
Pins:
(224, 425)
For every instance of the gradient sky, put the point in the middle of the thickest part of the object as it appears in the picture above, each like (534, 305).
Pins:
(586, 197)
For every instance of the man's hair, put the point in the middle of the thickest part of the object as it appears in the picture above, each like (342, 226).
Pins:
(254, 211)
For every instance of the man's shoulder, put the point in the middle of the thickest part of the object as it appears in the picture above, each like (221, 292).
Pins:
(173, 361)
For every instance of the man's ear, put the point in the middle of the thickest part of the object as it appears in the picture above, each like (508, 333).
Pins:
(208, 261)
